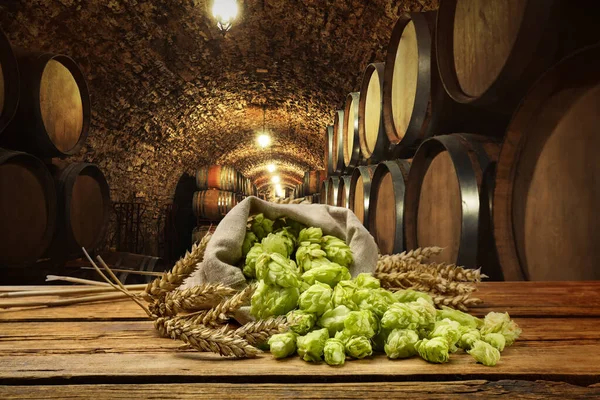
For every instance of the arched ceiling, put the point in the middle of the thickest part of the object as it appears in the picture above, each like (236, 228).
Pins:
(169, 90)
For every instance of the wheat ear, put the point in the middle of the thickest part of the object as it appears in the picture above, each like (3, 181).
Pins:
(214, 316)
(261, 330)
(461, 302)
(204, 296)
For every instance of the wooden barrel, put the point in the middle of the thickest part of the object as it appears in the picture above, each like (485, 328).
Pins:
(84, 208)
(343, 196)
(337, 155)
(332, 190)
(9, 82)
(546, 220)
(360, 193)
(490, 52)
(351, 141)
(213, 204)
(386, 207)
(216, 177)
(312, 181)
(323, 193)
(445, 204)
(27, 208)
(328, 157)
(54, 112)
(372, 138)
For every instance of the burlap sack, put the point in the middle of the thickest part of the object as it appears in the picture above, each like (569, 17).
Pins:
(224, 251)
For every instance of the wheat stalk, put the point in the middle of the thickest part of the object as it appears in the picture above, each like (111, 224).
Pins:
(200, 297)
(452, 272)
(461, 302)
(259, 331)
(217, 315)
(420, 254)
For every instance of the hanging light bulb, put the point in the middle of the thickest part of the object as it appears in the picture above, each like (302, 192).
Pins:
(224, 12)
(276, 179)
(271, 167)
(263, 140)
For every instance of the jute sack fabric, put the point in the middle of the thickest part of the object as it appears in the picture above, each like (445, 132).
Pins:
(224, 251)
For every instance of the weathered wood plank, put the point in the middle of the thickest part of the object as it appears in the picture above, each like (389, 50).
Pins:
(472, 389)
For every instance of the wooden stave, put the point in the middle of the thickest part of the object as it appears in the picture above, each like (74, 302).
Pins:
(332, 190)
(343, 190)
(312, 181)
(399, 179)
(329, 150)
(366, 171)
(225, 201)
(355, 159)
(10, 72)
(381, 148)
(226, 178)
(27, 131)
(51, 204)
(557, 79)
(324, 191)
(470, 190)
(337, 157)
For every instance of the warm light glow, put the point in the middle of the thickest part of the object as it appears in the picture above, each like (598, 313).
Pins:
(276, 179)
(264, 140)
(271, 167)
(225, 12)
(279, 192)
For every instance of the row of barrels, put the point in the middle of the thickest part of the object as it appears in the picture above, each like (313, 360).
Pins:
(224, 178)
(525, 207)
(311, 184)
(49, 210)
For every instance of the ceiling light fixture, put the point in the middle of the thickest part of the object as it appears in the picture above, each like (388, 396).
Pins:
(264, 140)
(224, 12)
(271, 167)
(276, 179)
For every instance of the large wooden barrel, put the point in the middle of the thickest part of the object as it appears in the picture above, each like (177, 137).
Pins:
(351, 141)
(27, 208)
(332, 190)
(84, 208)
(9, 83)
(546, 219)
(324, 192)
(386, 208)
(360, 193)
(447, 199)
(54, 112)
(213, 204)
(216, 177)
(312, 181)
(490, 52)
(343, 196)
(328, 157)
(372, 138)
(337, 155)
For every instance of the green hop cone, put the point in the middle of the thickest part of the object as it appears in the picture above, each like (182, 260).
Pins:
(359, 347)
(250, 262)
(334, 352)
(359, 323)
(269, 300)
(484, 353)
(376, 300)
(278, 243)
(400, 343)
(275, 269)
(501, 323)
(304, 286)
(462, 318)
(307, 253)
(343, 293)
(333, 319)
(448, 330)
(325, 271)
(282, 344)
(316, 299)
(311, 235)
(433, 350)
(468, 337)
(311, 346)
(367, 281)
(415, 315)
(249, 240)
(409, 295)
(337, 250)
(261, 226)
(495, 339)
(300, 321)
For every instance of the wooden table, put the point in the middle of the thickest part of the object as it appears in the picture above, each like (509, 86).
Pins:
(110, 350)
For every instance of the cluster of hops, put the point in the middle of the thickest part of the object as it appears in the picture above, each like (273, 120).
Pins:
(304, 275)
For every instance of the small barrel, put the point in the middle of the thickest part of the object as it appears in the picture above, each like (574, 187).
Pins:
(9, 82)
(343, 197)
(337, 157)
(84, 208)
(54, 112)
(360, 193)
(446, 204)
(323, 193)
(332, 190)
(372, 138)
(312, 181)
(386, 207)
(27, 208)
(213, 204)
(216, 177)
(328, 157)
(351, 141)
(546, 219)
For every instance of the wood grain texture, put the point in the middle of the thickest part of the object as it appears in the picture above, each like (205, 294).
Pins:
(372, 114)
(87, 210)
(404, 82)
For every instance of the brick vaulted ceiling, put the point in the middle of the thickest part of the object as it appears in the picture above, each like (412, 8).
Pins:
(170, 93)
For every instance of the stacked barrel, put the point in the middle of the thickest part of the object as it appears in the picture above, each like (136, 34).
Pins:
(499, 107)
(220, 188)
(50, 207)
